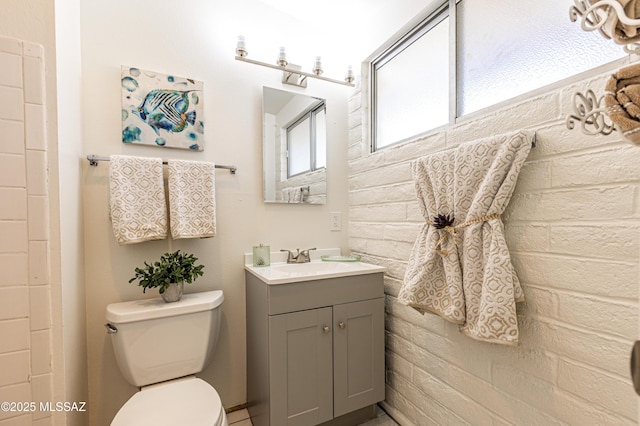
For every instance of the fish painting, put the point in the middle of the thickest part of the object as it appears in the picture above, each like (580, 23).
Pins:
(161, 110)
(166, 110)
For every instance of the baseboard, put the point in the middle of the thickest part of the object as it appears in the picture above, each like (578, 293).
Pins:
(396, 415)
(235, 408)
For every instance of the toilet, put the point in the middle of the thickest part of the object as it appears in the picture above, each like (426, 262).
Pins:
(159, 348)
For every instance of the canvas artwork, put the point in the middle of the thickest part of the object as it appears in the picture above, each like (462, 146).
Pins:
(162, 110)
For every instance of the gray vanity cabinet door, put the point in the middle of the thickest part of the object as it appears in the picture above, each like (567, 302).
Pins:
(300, 358)
(358, 340)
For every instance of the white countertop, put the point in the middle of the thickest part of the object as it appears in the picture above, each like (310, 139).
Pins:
(281, 272)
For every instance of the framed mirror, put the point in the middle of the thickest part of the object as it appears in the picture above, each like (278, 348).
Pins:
(294, 147)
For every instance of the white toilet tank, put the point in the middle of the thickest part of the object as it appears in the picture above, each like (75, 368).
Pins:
(156, 341)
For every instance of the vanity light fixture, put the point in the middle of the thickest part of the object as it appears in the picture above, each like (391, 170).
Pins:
(292, 74)
(349, 77)
(317, 66)
(282, 58)
(241, 49)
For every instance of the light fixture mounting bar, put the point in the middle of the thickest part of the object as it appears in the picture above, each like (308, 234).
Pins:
(293, 71)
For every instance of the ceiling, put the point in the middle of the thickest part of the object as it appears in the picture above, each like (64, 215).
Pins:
(362, 25)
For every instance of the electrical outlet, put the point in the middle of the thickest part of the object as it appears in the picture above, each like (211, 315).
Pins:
(336, 221)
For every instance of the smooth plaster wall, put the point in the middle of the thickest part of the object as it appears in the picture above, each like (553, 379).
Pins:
(70, 111)
(196, 41)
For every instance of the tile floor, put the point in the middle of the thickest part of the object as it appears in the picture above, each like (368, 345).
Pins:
(382, 419)
(241, 418)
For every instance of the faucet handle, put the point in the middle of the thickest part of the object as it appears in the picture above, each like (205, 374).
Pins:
(304, 256)
(291, 257)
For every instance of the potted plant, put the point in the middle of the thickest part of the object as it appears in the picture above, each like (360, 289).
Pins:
(169, 274)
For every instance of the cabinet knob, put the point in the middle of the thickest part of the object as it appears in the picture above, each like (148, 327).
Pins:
(342, 325)
(326, 329)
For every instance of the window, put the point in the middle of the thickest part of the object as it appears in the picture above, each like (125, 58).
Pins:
(493, 51)
(508, 48)
(412, 89)
(307, 142)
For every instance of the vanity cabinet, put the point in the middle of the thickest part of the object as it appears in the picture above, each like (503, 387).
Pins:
(315, 350)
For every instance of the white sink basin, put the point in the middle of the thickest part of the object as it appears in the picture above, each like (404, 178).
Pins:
(282, 273)
(299, 269)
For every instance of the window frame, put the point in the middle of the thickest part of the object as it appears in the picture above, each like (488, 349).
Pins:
(434, 18)
(441, 13)
(311, 114)
(450, 8)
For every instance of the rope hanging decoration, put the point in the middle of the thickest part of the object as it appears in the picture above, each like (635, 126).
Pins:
(445, 223)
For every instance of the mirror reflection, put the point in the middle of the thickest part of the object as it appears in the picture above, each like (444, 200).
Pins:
(294, 147)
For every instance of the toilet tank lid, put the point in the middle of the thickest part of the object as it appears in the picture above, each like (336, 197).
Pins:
(140, 310)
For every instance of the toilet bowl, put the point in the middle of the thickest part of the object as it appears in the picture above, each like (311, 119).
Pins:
(189, 401)
(159, 348)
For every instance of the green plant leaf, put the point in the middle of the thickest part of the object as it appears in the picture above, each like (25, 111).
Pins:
(171, 268)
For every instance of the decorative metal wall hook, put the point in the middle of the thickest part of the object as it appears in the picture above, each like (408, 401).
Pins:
(590, 18)
(603, 15)
(592, 116)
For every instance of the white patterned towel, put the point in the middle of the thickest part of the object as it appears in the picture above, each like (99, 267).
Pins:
(192, 199)
(460, 267)
(138, 205)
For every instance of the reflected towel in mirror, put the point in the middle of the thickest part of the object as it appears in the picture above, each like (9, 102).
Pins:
(293, 195)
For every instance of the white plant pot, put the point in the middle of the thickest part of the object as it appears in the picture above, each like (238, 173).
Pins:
(173, 293)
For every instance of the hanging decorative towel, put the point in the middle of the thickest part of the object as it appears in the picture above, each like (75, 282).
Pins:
(622, 99)
(138, 205)
(192, 199)
(459, 267)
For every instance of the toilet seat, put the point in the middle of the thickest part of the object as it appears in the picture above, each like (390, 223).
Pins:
(189, 401)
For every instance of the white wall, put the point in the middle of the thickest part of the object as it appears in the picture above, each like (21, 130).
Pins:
(572, 228)
(198, 41)
(70, 112)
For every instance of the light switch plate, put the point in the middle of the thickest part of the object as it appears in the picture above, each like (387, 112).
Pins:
(336, 221)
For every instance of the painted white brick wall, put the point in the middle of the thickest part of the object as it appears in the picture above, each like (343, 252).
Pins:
(573, 231)
(25, 297)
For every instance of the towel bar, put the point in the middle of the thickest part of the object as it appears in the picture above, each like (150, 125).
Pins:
(93, 161)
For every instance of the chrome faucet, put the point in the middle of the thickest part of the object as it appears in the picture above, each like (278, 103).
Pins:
(300, 256)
